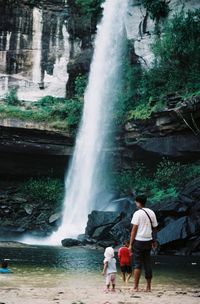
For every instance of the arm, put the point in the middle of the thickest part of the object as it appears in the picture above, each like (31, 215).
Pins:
(133, 235)
(105, 268)
(119, 253)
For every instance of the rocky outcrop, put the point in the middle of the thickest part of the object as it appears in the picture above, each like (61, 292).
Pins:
(179, 224)
(20, 215)
(28, 150)
(34, 48)
(173, 132)
(70, 242)
(141, 27)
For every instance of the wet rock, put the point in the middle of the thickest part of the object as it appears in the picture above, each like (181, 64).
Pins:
(19, 200)
(106, 243)
(178, 230)
(28, 209)
(124, 204)
(70, 242)
(101, 218)
(102, 232)
(54, 217)
(121, 231)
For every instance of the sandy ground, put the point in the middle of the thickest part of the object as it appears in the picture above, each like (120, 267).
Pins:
(96, 296)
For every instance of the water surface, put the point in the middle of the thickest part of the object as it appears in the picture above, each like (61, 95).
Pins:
(40, 266)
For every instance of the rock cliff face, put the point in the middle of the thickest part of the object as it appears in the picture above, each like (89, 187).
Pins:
(172, 133)
(34, 48)
(141, 28)
(31, 150)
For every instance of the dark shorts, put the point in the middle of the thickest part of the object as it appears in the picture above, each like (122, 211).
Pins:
(126, 269)
(142, 257)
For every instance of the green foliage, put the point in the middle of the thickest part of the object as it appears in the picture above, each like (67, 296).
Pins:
(60, 113)
(12, 98)
(169, 173)
(157, 8)
(177, 64)
(89, 7)
(45, 190)
(176, 68)
(163, 182)
(80, 85)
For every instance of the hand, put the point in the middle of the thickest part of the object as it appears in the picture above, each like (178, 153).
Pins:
(130, 248)
(103, 273)
(154, 244)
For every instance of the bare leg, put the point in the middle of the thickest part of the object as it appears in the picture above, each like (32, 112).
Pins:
(124, 276)
(128, 277)
(148, 289)
(113, 287)
(137, 274)
(107, 288)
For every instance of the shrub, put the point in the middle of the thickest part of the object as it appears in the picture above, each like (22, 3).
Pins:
(169, 173)
(89, 7)
(12, 98)
(46, 190)
(176, 67)
(157, 8)
(165, 181)
(80, 85)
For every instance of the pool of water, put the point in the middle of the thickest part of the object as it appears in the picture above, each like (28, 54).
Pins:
(56, 266)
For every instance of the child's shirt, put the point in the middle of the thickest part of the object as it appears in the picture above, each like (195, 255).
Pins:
(111, 265)
(125, 256)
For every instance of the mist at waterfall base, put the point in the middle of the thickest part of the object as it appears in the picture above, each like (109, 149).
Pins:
(88, 170)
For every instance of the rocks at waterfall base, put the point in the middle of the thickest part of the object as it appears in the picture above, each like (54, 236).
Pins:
(179, 224)
(19, 215)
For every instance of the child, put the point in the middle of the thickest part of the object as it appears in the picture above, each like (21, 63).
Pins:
(4, 267)
(125, 258)
(109, 269)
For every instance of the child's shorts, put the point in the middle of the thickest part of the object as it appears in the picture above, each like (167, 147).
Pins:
(110, 278)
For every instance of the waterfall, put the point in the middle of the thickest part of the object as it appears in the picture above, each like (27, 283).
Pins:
(83, 181)
(36, 44)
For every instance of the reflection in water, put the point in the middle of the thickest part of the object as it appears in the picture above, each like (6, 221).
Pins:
(50, 266)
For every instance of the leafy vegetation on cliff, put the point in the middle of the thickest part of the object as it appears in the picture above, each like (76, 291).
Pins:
(58, 113)
(176, 67)
(44, 190)
(89, 7)
(157, 8)
(163, 182)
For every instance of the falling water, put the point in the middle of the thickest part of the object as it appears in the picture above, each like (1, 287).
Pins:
(86, 173)
(83, 182)
(37, 41)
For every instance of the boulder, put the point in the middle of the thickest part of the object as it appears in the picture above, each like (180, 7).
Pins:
(178, 230)
(70, 242)
(102, 232)
(28, 209)
(54, 217)
(121, 231)
(124, 204)
(106, 243)
(101, 218)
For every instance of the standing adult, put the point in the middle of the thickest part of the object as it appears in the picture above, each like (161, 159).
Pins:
(144, 225)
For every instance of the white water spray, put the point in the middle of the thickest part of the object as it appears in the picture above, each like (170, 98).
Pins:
(84, 180)
(37, 41)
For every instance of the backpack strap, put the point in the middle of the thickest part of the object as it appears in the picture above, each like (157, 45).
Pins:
(148, 217)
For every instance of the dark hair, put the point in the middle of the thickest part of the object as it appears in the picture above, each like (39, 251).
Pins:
(141, 199)
(4, 264)
(127, 243)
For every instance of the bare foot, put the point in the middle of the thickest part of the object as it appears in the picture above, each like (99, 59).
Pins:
(135, 289)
